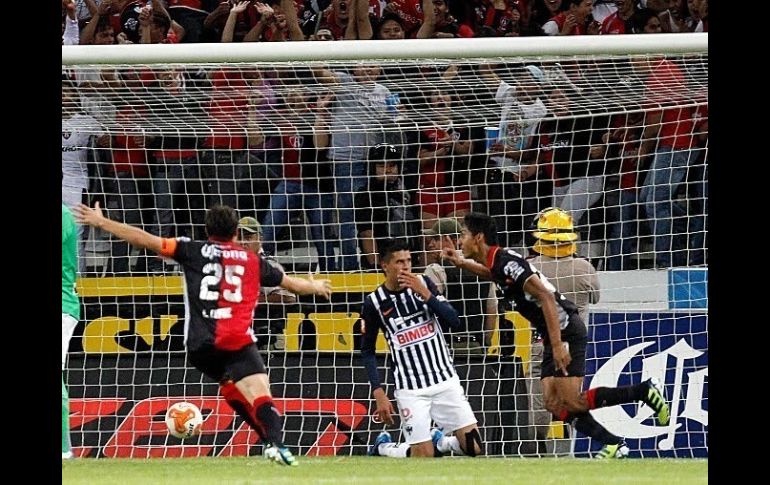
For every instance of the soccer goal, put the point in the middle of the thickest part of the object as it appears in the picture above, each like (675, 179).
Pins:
(612, 129)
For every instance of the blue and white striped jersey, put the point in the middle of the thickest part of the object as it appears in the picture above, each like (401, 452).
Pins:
(413, 332)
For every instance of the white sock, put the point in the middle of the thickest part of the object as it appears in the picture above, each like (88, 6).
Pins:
(449, 443)
(393, 450)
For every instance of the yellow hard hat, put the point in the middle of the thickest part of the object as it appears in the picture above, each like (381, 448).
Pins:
(555, 225)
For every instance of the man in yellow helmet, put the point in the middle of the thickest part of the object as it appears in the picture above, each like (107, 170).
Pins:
(573, 277)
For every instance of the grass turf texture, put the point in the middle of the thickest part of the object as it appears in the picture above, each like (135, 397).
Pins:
(378, 470)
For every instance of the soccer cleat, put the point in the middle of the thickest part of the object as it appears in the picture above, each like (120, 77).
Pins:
(435, 436)
(383, 437)
(657, 400)
(282, 456)
(67, 455)
(609, 452)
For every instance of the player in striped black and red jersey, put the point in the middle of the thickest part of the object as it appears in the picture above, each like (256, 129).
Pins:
(564, 335)
(222, 281)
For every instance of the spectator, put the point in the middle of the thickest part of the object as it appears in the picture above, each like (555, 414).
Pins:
(85, 9)
(406, 19)
(446, 25)
(176, 169)
(474, 299)
(573, 277)
(336, 18)
(99, 30)
(602, 9)
(623, 143)
(277, 22)
(663, 10)
(444, 149)
(80, 133)
(129, 170)
(409, 12)
(383, 209)
(491, 18)
(668, 136)
(306, 174)
(576, 151)
(224, 162)
(360, 106)
(70, 33)
(190, 15)
(692, 16)
(155, 27)
(703, 8)
(545, 10)
(359, 22)
(574, 20)
(322, 34)
(511, 181)
(215, 22)
(269, 320)
(621, 21)
(645, 21)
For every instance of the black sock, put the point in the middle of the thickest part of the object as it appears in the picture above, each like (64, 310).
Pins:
(271, 421)
(586, 424)
(601, 397)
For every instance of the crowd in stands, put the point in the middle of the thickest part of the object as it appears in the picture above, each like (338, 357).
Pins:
(194, 21)
(360, 153)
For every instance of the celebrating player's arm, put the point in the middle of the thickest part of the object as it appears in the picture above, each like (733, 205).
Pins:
(456, 258)
(308, 286)
(93, 216)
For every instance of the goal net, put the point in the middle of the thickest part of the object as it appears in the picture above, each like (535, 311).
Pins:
(330, 159)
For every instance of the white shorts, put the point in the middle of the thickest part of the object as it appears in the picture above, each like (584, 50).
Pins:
(68, 324)
(444, 403)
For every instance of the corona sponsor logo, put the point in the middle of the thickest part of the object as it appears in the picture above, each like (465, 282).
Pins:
(619, 422)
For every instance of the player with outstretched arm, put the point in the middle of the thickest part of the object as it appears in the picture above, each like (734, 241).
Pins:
(222, 281)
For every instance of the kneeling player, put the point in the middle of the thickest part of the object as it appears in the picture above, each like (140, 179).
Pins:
(410, 313)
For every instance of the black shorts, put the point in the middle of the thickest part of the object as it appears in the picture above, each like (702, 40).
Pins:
(577, 342)
(220, 364)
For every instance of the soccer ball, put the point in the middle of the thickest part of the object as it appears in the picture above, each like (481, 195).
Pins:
(184, 420)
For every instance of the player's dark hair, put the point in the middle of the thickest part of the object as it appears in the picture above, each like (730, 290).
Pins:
(391, 246)
(221, 222)
(477, 223)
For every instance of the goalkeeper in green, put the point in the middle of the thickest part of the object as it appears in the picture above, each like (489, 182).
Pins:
(70, 313)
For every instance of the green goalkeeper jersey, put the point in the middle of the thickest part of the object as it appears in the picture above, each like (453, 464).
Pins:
(69, 263)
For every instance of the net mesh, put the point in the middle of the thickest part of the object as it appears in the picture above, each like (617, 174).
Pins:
(620, 142)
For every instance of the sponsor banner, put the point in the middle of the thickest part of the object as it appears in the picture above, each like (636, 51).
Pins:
(626, 349)
(118, 403)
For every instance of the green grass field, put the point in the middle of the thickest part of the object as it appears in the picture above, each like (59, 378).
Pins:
(366, 470)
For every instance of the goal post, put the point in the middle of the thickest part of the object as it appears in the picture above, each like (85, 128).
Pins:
(352, 50)
(613, 129)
